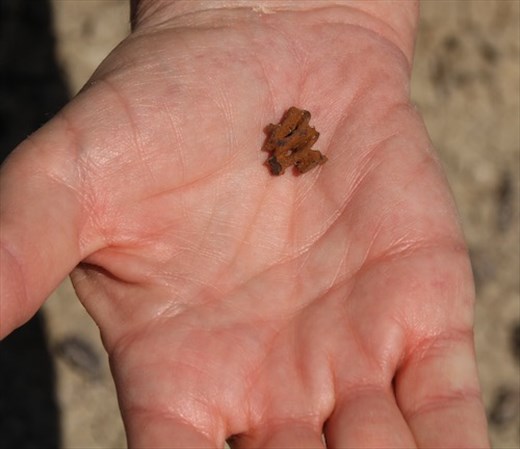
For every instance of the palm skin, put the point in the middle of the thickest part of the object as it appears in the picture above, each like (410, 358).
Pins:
(233, 302)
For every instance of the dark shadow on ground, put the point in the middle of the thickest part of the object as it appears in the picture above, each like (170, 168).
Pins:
(29, 415)
(31, 91)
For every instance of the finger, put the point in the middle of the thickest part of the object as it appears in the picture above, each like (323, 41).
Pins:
(289, 435)
(152, 430)
(368, 418)
(438, 392)
(40, 218)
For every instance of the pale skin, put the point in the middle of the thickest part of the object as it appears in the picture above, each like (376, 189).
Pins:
(234, 304)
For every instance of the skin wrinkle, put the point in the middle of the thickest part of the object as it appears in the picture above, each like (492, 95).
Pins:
(267, 247)
(396, 108)
(347, 111)
(402, 245)
(229, 223)
(314, 423)
(118, 346)
(380, 226)
(200, 283)
(357, 391)
(132, 123)
(442, 339)
(374, 24)
(341, 264)
(296, 288)
(383, 216)
(205, 234)
(410, 251)
(192, 282)
(297, 52)
(388, 44)
(288, 247)
(367, 165)
(422, 166)
(271, 95)
(383, 25)
(441, 401)
(333, 219)
(415, 174)
(207, 297)
(89, 219)
(248, 230)
(394, 32)
(312, 186)
(224, 106)
(177, 417)
(305, 256)
(362, 174)
(180, 141)
(380, 376)
(271, 245)
(307, 253)
(188, 185)
(304, 248)
(300, 57)
(172, 309)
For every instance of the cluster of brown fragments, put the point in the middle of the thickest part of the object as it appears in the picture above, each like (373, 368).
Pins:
(289, 143)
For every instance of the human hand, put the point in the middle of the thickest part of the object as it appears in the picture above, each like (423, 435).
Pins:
(232, 302)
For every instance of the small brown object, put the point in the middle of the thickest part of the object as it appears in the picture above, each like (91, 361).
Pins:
(290, 143)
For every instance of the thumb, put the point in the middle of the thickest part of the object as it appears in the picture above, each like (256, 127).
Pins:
(40, 221)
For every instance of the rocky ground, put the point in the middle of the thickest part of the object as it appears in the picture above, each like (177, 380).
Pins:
(55, 382)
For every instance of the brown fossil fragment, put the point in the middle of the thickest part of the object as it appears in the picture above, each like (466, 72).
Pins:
(289, 143)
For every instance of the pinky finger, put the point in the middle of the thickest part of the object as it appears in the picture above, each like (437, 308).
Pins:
(439, 395)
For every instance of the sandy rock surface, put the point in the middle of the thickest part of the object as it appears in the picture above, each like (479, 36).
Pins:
(466, 83)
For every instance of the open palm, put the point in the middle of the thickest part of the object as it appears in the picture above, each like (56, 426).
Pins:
(235, 303)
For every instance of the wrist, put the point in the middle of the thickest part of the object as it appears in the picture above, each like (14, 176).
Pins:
(394, 20)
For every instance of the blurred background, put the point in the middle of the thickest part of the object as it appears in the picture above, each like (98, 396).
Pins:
(55, 384)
